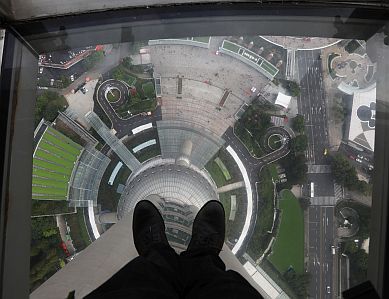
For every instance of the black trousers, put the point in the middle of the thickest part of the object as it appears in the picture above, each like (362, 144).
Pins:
(164, 274)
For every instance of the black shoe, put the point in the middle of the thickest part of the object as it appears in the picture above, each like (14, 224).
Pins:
(148, 228)
(208, 229)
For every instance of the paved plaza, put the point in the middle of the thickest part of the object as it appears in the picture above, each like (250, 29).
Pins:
(301, 43)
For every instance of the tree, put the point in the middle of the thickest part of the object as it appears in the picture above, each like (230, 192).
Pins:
(48, 104)
(92, 59)
(344, 173)
(298, 282)
(256, 121)
(292, 87)
(295, 168)
(339, 111)
(127, 62)
(299, 143)
(298, 123)
(65, 81)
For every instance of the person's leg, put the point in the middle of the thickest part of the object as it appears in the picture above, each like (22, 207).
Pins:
(204, 273)
(156, 272)
(206, 277)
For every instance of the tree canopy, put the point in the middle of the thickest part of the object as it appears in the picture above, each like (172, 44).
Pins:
(256, 121)
(295, 168)
(346, 175)
(298, 282)
(298, 123)
(299, 143)
(48, 104)
(92, 59)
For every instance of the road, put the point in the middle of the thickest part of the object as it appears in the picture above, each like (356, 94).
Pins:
(312, 105)
(320, 240)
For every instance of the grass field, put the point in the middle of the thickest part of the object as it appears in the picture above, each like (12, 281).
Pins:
(223, 168)
(274, 142)
(78, 231)
(53, 163)
(148, 90)
(288, 249)
(113, 96)
(230, 46)
(216, 173)
(269, 68)
(202, 39)
(261, 238)
(273, 171)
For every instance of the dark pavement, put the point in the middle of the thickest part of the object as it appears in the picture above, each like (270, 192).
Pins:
(321, 237)
(312, 105)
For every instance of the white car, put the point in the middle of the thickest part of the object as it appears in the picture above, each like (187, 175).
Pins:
(358, 160)
(72, 78)
(328, 289)
(253, 89)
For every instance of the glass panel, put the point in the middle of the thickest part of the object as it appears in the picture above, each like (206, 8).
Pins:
(280, 129)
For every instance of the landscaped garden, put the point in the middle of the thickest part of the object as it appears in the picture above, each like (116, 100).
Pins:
(288, 249)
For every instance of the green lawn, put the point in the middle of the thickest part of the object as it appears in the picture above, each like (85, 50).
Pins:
(272, 70)
(274, 142)
(148, 153)
(66, 145)
(59, 143)
(47, 207)
(51, 166)
(288, 249)
(113, 95)
(248, 140)
(64, 138)
(55, 150)
(52, 175)
(49, 191)
(261, 238)
(230, 46)
(148, 90)
(202, 39)
(52, 158)
(78, 230)
(223, 168)
(49, 183)
(216, 173)
(48, 197)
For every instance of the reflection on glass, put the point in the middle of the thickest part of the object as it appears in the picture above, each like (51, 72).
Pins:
(280, 129)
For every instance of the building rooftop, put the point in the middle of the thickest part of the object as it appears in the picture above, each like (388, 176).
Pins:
(362, 122)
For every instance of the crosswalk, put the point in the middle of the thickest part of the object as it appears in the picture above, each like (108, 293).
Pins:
(338, 191)
(323, 201)
(290, 63)
(319, 168)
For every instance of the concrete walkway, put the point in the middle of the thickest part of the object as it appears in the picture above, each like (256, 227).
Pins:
(230, 187)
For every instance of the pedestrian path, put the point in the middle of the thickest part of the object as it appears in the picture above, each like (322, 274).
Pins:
(323, 201)
(319, 168)
(338, 191)
(290, 63)
(115, 144)
(230, 187)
